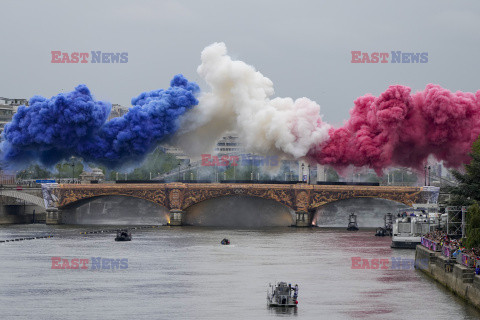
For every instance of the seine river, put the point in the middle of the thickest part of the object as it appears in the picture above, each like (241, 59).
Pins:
(184, 273)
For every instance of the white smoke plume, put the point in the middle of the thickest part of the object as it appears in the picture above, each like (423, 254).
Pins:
(240, 101)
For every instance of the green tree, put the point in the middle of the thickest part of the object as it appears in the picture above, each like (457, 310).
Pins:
(468, 187)
(66, 169)
(157, 162)
(332, 175)
(34, 171)
(473, 227)
(467, 192)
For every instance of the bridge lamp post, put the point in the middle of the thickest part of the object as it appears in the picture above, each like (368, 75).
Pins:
(215, 171)
(308, 173)
(253, 166)
(303, 167)
(178, 172)
(427, 168)
(429, 171)
(73, 171)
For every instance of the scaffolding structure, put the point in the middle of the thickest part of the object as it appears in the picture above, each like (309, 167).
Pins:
(456, 223)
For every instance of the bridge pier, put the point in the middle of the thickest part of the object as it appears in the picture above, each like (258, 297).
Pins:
(303, 219)
(176, 217)
(53, 216)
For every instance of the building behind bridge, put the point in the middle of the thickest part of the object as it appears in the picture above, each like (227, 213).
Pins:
(8, 107)
(117, 111)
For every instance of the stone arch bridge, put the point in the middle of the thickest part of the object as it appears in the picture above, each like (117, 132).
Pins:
(177, 197)
(34, 198)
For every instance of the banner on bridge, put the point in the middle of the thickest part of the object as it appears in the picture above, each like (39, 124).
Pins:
(45, 181)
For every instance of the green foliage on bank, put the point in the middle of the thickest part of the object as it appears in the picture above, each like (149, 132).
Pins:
(468, 189)
(473, 227)
(34, 172)
(467, 193)
(63, 170)
(156, 163)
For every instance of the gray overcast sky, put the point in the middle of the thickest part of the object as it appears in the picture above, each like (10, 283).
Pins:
(302, 46)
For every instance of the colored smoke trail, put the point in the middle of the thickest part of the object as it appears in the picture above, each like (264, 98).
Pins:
(240, 101)
(396, 128)
(402, 129)
(73, 124)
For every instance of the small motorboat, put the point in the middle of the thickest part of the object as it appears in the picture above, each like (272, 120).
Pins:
(123, 235)
(225, 241)
(352, 222)
(387, 229)
(381, 232)
(282, 295)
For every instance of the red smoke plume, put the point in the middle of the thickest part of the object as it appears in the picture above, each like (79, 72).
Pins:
(402, 129)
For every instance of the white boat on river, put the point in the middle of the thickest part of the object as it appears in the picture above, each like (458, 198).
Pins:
(282, 295)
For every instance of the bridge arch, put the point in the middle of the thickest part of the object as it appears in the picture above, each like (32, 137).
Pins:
(30, 198)
(370, 211)
(71, 194)
(239, 211)
(86, 199)
(114, 209)
(405, 196)
(192, 201)
(320, 205)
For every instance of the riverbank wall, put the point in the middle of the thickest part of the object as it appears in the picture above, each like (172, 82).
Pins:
(458, 278)
(21, 214)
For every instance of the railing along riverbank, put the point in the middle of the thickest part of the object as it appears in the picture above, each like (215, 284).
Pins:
(452, 265)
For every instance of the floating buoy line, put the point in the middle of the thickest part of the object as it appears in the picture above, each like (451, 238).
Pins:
(29, 238)
(86, 232)
(115, 230)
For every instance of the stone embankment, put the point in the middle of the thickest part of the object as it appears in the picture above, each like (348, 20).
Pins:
(458, 278)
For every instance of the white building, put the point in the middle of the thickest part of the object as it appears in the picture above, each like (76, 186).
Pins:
(117, 111)
(95, 175)
(8, 107)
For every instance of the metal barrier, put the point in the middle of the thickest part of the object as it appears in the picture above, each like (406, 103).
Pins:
(466, 260)
(430, 244)
(448, 251)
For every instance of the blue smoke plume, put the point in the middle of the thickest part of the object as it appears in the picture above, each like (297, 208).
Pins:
(74, 124)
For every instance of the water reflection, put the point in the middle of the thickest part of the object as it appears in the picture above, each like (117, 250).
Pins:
(283, 311)
(119, 210)
(369, 211)
(239, 212)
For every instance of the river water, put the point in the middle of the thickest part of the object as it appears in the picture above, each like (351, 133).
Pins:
(184, 273)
